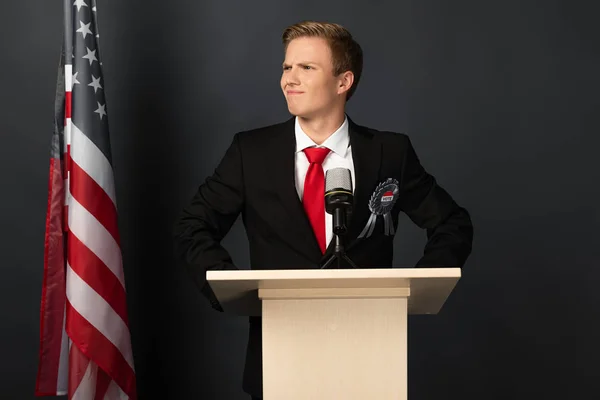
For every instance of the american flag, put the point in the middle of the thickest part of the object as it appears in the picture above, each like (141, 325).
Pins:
(85, 349)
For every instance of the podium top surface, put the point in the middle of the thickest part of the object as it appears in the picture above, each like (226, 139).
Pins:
(237, 291)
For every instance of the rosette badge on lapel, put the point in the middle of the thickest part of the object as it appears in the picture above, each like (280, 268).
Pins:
(382, 201)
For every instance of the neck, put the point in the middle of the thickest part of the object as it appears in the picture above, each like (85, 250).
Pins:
(319, 129)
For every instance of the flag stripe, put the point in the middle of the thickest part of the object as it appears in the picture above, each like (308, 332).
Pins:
(93, 161)
(62, 385)
(68, 104)
(91, 306)
(80, 115)
(81, 367)
(95, 237)
(107, 356)
(114, 392)
(53, 287)
(68, 79)
(95, 273)
(94, 199)
(68, 128)
(102, 382)
(86, 388)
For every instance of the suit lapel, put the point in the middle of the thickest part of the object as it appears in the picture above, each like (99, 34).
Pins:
(366, 155)
(298, 231)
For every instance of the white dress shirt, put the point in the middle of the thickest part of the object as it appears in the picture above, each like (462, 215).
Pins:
(340, 156)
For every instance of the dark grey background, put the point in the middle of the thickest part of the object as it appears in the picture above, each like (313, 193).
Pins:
(500, 99)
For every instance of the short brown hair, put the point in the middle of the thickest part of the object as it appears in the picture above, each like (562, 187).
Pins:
(346, 52)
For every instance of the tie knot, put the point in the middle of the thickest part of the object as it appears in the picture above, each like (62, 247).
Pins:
(316, 155)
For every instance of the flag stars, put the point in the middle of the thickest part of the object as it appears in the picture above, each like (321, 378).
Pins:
(84, 29)
(95, 84)
(101, 109)
(91, 55)
(79, 4)
(74, 81)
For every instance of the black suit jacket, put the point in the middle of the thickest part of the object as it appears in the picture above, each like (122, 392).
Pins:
(256, 178)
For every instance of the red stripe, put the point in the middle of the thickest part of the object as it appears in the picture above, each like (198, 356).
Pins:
(53, 287)
(68, 98)
(67, 165)
(78, 364)
(96, 274)
(102, 382)
(94, 199)
(101, 351)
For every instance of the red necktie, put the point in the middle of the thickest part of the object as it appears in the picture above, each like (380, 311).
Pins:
(314, 192)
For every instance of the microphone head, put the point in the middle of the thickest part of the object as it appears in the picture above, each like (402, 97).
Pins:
(338, 179)
(338, 194)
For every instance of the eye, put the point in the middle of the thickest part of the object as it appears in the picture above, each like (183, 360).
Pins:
(307, 67)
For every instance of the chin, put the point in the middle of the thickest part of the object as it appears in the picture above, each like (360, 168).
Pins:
(297, 112)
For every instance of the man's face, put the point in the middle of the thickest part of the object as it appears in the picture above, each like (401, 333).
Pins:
(307, 80)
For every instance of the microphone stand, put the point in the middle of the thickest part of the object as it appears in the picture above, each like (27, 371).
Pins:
(339, 253)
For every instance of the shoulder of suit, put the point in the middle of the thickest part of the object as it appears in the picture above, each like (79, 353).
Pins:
(263, 132)
(260, 134)
(385, 137)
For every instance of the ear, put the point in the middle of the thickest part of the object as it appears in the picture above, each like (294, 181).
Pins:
(345, 81)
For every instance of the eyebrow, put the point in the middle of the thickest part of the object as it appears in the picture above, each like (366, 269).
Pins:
(301, 63)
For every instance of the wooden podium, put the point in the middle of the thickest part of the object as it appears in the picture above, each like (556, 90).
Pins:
(334, 333)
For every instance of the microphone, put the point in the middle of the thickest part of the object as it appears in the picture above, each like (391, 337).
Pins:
(338, 202)
(339, 198)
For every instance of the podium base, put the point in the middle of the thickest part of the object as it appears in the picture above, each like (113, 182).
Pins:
(346, 343)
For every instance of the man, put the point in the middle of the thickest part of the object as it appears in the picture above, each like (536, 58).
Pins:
(274, 177)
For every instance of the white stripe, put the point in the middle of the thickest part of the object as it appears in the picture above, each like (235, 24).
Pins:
(114, 392)
(67, 191)
(68, 127)
(62, 383)
(87, 387)
(95, 237)
(89, 158)
(91, 306)
(68, 77)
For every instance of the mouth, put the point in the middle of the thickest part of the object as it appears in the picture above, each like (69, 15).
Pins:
(293, 92)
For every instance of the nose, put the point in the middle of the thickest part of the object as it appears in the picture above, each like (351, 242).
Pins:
(291, 77)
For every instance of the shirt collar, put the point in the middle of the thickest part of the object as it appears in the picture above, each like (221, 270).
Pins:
(338, 142)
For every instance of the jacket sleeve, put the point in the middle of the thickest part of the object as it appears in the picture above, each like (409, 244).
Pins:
(449, 227)
(205, 221)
